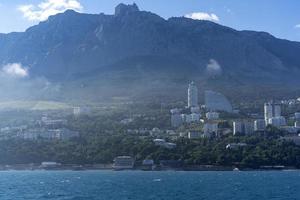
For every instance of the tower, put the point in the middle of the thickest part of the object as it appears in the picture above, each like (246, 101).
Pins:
(271, 110)
(192, 95)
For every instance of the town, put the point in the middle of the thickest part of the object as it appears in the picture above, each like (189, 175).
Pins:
(163, 133)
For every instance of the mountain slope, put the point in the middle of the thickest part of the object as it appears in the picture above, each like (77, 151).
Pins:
(138, 45)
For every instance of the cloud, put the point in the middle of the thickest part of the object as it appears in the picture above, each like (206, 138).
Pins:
(203, 16)
(213, 68)
(43, 10)
(15, 70)
(16, 83)
(297, 26)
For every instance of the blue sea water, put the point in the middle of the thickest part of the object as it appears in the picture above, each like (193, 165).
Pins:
(136, 185)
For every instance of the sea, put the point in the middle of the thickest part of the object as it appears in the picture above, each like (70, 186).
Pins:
(139, 185)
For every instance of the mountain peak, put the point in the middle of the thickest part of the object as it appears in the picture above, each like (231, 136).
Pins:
(70, 12)
(123, 9)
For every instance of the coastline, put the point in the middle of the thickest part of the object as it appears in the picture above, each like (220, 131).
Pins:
(109, 167)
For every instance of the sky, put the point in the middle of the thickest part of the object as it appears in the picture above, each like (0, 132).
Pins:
(281, 18)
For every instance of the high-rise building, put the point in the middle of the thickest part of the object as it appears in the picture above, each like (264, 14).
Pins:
(192, 95)
(215, 101)
(237, 128)
(271, 110)
(243, 127)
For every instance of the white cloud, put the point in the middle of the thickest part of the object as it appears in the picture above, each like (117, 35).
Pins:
(203, 16)
(15, 70)
(213, 67)
(297, 26)
(43, 10)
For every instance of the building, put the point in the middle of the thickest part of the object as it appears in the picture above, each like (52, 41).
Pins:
(194, 135)
(212, 115)
(175, 111)
(195, 117)
(259, 125)
(192, 95)
(170, 145)
(190, 118)
(52, 123)
(237, 128)
(271, 110)
(195, 109)
(297, 116)
(277, 121)
(245, 127)
(248, 127)
(155, 132)
(163, 143)
(176, 120)
(290, 129)
(77, 111)
(147, 164)
(297, 124)
(123, 162)
(210, 129)
(51, 134)
(235, 145)
(50, 165)
(215, 101)
(159, 142)
(294, 139)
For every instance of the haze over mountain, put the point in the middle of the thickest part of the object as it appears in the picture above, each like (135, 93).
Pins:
(141, 50)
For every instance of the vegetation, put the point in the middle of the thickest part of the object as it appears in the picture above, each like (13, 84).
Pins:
(261, 151)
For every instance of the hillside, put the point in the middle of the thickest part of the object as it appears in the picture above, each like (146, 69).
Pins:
(141, 50)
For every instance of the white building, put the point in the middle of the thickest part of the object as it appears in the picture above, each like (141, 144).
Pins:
(259, 125)
(192, 95)
(271, 110)
(212, 115)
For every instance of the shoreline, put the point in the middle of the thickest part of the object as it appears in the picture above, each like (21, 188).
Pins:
(108, 167)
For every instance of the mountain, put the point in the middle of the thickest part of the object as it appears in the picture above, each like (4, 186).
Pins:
(139, 49)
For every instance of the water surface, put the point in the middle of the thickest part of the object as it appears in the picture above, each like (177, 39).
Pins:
(135, 185)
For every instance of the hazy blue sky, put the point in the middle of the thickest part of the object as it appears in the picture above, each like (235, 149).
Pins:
(279, 17)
